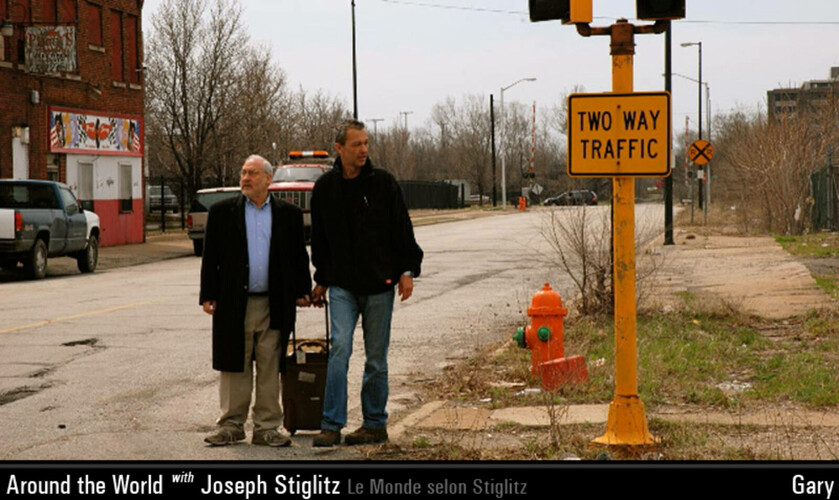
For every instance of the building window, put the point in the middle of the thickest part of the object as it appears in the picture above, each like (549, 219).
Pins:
(49, 11)
(126, 204)
(94, 24)
(53, 174)
(132, 48)
(67, 11)
(58, 11)
(86, 185)
(116, 46)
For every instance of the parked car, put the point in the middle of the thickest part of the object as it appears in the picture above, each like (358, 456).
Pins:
(167, 200)
(294, 180)
(196, 219)
(42, 219)
(579, 197)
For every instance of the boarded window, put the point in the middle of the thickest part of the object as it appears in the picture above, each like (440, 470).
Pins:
(125, 181)
(58, 11)
(49, 11)
(116, 46)
(94, 23)
(66, 11)
(132, 48)
(86, 185)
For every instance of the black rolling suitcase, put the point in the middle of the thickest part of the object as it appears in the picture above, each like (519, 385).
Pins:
(304, 381)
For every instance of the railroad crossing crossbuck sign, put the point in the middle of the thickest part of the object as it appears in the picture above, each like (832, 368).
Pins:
(700, 152)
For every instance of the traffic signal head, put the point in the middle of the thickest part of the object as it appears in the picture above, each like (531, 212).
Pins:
(570, 11)
(548, 10)
(655, 10)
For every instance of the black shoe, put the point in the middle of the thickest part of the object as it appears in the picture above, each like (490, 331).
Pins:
(225, 436)
(327, 438)
(366, 435)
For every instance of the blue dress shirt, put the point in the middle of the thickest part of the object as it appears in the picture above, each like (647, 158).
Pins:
(258, 229)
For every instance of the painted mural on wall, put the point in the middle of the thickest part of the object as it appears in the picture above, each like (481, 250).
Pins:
(51, 49)
(79, 132)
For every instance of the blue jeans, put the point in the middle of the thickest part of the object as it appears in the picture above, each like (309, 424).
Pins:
(376, 312)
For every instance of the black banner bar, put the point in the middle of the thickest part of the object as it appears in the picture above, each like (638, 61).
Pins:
(363, 480)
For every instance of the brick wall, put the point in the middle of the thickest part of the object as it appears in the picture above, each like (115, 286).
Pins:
(91, 88)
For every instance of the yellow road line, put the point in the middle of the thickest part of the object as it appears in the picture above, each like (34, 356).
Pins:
(80, 315)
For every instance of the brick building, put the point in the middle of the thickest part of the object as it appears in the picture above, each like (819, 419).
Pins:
(71, 103)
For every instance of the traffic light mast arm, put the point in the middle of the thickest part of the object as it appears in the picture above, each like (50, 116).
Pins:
(585, 29)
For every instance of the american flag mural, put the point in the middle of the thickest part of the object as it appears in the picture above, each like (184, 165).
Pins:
(75, 131)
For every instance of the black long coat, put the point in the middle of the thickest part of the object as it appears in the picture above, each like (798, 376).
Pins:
(225, 276)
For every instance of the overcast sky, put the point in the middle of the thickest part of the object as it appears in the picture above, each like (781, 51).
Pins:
(415, 53)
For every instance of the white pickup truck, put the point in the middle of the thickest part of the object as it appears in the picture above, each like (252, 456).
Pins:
(41, 219)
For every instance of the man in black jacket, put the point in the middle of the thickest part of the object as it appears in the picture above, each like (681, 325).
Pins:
(254, 271)
(362, 246)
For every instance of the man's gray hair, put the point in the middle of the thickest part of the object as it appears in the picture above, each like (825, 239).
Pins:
(266, 165)
(341, 136)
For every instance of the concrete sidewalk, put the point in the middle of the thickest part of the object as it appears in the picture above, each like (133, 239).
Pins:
(751, 272)
(158, 246)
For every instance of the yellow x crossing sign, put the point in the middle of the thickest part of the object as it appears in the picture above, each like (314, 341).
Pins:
(700, 152)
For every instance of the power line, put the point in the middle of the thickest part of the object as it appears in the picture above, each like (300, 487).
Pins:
(453, 7)
(522, 13)
(801, 23)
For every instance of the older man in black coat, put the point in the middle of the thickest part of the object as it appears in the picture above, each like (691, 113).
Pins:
(254, 272)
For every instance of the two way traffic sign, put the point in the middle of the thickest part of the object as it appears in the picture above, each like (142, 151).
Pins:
(615, 135)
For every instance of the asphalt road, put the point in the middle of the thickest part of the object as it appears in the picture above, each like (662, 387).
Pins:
(115, 365)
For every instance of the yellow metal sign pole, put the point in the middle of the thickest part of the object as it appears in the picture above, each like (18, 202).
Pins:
(627, 423)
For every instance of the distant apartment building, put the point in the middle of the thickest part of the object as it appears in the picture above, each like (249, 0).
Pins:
(71, 104)
(810, 97)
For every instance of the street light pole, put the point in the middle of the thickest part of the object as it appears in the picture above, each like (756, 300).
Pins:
(503, 145)
(699, 124)
(708, 124)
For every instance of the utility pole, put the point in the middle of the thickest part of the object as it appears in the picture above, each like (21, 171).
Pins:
(375, 126)
(492, 126)
(668, 181)
(405, 115)
(354, 68)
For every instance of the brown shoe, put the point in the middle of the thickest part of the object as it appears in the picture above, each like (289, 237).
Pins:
(270, 438)
(365, 435)
(225, 436)
(327, 438)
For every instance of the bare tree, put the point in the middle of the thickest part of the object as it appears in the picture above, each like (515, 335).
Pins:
(764, 165)
(193, 57)
(580, 239)
(314, 119)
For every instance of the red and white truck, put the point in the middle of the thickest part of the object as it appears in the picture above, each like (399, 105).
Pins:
(294, 180)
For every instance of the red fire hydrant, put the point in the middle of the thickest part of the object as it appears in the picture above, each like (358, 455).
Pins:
(544, 338)
(544, 334)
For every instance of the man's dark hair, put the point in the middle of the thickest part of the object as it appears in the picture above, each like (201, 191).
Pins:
(350, 123)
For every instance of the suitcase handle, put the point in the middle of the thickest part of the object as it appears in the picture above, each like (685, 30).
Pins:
(326, 315)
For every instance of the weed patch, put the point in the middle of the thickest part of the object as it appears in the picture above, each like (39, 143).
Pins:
(701, 356)
(819, 245)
